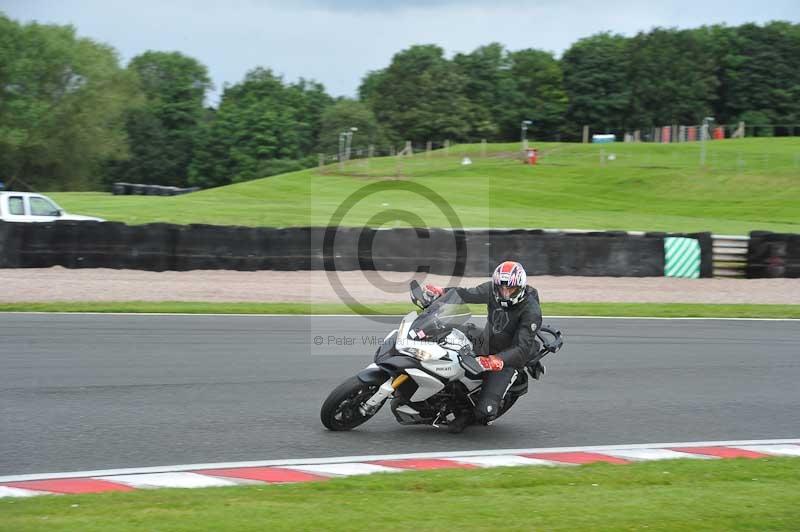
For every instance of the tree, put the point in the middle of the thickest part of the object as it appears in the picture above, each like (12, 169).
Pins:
(672, 78)
(490, 86)
(262, 127)
(309, 101)
(596, 82)
(367, 91)
(61, 106)
(484, 94)
(759, 72)
(540, 95)
(346, 114)
(420, 96)
(162, 131)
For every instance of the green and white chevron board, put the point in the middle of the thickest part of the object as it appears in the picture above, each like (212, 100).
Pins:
(681, 257)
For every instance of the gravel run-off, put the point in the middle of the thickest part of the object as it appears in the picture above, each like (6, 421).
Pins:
(61, 284)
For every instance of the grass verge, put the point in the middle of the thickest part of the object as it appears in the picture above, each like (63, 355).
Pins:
(666, 310)
(746, 184)
(690, 495)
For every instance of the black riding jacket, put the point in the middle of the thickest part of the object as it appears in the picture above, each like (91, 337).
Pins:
(510, 333)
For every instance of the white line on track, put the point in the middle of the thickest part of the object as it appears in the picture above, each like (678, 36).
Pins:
(351, 459)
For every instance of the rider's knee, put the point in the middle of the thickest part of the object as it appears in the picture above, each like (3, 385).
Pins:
(486, 409)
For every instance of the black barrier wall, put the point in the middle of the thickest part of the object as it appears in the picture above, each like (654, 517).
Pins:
(773, 255)
(589, 254)
(159, 247)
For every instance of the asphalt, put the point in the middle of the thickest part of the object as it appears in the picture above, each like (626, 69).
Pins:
(81, 392)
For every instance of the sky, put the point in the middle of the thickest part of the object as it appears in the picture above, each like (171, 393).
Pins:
(336, 42)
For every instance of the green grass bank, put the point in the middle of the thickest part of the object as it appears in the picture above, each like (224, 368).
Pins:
(746, 184)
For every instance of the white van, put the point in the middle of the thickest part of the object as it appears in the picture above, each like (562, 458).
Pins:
(30, 207)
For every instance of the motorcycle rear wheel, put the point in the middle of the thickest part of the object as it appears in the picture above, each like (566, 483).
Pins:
(340, 411)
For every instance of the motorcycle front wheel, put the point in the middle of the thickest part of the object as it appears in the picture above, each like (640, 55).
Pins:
(341, 410)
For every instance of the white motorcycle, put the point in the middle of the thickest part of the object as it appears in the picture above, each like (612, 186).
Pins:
(428, 369)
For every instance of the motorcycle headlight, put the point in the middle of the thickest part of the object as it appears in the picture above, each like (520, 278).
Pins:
(418, 353)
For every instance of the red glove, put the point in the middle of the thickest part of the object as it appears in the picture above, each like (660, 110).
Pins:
(433, 290)
(491, 363)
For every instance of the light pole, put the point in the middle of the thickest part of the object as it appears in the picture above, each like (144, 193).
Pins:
(703, 136)
(524, 133)
(349, 142)
(342, 137)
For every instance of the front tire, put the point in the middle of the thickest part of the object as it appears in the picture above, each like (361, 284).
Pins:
(340, 411)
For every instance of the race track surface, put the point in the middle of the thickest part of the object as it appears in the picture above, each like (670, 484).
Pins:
(84, 392)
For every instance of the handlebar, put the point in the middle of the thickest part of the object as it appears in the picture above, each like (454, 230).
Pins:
(469, 362)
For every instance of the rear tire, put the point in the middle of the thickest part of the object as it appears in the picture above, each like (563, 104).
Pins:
(340, 411)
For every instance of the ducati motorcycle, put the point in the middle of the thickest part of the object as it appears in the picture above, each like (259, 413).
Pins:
(427, 370)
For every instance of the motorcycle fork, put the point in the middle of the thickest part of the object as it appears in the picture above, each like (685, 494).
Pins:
(384, 392)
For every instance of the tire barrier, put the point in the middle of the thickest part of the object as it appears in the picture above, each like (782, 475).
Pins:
(125, 189)
(160, 247)
(402, 249)
(290, 249)
(10, 245)
(210, 247)
(149, 247)
(614, 254)
(72, 244)
(773, 255)
(706, 240)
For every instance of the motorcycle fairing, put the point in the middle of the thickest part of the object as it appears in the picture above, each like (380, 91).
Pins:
(387, 348)
(372, 374)
(428, 385)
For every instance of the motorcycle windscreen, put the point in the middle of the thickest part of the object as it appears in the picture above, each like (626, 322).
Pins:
(441, 317)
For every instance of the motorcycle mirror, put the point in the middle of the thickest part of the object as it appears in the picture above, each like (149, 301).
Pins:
(417, 295)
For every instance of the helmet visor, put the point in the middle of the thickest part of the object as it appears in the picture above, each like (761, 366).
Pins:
(508, 292)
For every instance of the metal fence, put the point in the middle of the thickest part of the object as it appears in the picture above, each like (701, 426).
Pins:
(670, 133)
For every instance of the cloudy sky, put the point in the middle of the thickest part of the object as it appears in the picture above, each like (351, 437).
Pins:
(338, 41)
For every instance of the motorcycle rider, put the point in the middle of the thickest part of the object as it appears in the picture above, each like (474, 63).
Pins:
(506, 343)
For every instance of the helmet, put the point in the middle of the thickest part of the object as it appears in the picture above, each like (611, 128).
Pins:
(511, 275)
